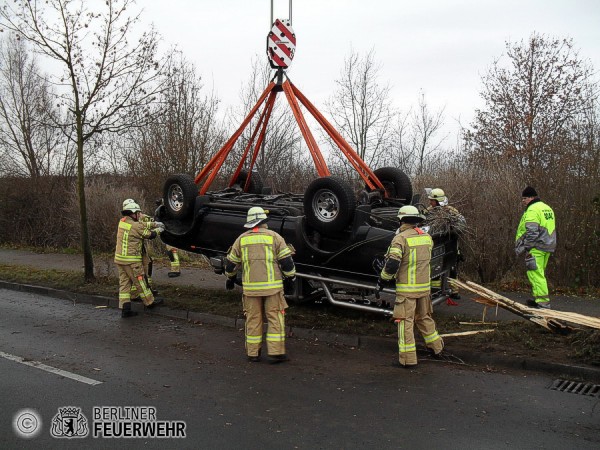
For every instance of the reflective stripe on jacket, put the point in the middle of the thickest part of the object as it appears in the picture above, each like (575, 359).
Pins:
(537, 229)
(130, 238)
(258, 251)
(412, 247)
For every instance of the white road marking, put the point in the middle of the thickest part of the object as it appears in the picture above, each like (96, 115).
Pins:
(62, 373)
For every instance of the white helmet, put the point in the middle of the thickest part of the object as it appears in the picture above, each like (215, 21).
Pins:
(131, 205)
(437, 194)
(126, 202)
(256, 216)
(409, 211)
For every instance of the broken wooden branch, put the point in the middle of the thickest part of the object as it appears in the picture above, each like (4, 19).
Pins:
(548, 318)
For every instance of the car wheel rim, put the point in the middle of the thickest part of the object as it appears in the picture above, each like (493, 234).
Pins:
(175, 197)
(326, 205)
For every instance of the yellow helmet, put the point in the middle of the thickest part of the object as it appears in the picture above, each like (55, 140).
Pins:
(409, 211)
(130, 205)
(256, 216)
(437, 194)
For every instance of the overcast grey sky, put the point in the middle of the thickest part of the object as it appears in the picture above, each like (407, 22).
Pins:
(440, 46)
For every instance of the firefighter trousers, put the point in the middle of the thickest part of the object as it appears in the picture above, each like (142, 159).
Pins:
(273, 307)
(536, 273)
(133, 275)
(411, 312)
(174, 258)
(147, 265)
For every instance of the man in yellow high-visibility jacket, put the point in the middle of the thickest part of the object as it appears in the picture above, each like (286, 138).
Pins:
(128, 256)
(265, 260)
(536, 237)
(407, 262)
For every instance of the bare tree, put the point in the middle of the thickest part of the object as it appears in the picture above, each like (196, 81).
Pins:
(104, 76)
(29, 144)
(184, 132)
(530, 102)
(361, 109)
(539, 127)
(425, 125)
(402, 156)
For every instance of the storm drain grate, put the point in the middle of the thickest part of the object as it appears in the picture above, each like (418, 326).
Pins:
(576, 387)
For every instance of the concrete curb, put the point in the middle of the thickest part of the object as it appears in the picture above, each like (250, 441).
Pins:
(561, 370)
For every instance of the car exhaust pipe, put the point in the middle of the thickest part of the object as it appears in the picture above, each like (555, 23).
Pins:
(335, 302)
(435, 300)
(343, 282)
(352, 305)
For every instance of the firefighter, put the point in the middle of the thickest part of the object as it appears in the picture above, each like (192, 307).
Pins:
(265, 261)
(407, 261)
(174, 258)
(147, 261)
(438, 199)
(536, 237)
(128, 256)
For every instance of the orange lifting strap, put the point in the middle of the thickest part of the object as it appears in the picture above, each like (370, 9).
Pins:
(293, 94)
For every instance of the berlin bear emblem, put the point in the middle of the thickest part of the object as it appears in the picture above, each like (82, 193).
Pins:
(69, 423)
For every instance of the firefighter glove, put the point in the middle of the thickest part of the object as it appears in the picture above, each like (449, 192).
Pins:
(378, 287)
(288, 285)
(230, 284)
(159, 230)
(381, 283)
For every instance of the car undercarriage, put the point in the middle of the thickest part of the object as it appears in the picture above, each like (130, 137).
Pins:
(339, 238)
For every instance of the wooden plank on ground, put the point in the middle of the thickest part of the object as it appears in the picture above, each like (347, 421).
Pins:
(466, 333)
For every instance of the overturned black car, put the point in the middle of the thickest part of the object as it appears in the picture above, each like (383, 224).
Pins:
(340, 240)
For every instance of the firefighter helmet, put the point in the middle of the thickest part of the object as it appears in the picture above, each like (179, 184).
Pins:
(437, 194)
(411, 213)
(256, 216)
(131, 205)
(126, 202)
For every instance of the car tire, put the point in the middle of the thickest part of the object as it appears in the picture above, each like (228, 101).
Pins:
(256, 184)
(179, 195)
(329, 204)
(397, 184)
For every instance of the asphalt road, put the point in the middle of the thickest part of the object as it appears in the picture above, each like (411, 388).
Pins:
(326, 397)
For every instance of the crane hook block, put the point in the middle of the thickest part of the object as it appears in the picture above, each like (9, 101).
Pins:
(281, 44)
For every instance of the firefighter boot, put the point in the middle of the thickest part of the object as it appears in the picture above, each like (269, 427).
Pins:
(126, 311)
(278, 359)
(533, 304)
(254, 358)
(157, 301)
